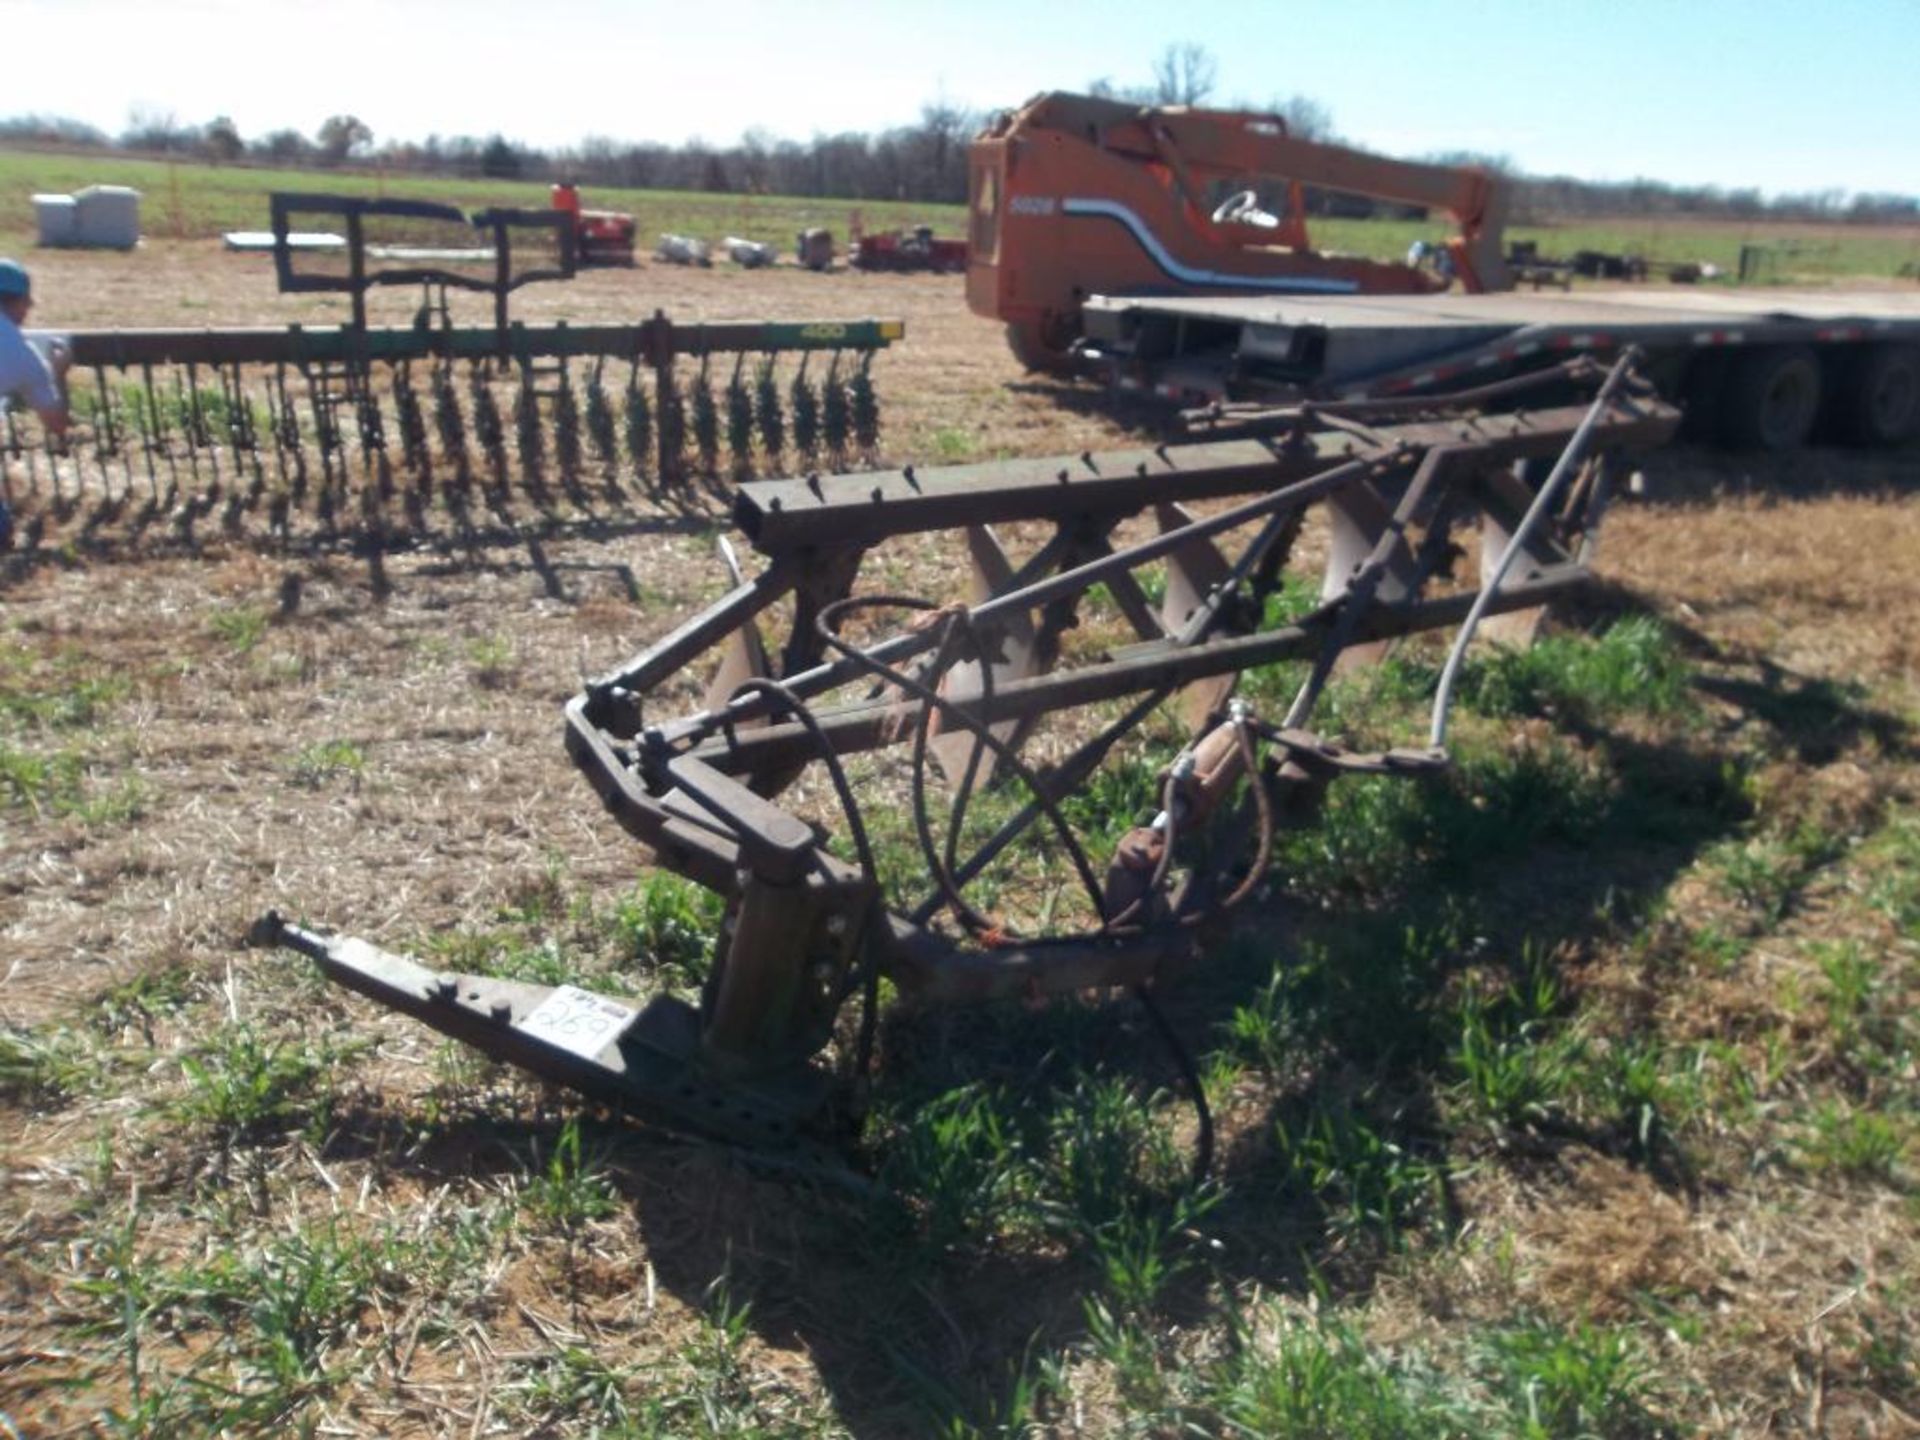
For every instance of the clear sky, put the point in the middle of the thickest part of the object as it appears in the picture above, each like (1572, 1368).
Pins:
(1779, 94)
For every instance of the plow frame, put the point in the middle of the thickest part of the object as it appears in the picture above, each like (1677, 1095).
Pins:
(809, 927)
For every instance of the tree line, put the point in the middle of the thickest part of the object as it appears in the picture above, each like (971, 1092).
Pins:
(924, 161)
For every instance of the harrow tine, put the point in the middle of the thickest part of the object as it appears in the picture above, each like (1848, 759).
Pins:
(601, 433)
(487, 428)
(413, 427)
(637, 419)
(864, 404)
(835, 417)
(160, 438)
(706, 422)
(805, 403)
(450, 423)
(566, 430)
(740, 420)
(104, 440)
(773, 430)
(528, 437)
(671, 423)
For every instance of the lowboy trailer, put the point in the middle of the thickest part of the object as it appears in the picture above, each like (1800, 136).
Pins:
(1761, 370)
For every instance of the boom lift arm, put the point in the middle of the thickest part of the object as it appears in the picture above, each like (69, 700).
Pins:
(1073, 195)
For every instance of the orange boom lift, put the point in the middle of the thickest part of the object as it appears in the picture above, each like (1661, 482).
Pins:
(1073, 196)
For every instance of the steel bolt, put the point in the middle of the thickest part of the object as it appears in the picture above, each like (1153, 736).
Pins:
(446, 987)
(501, 1011)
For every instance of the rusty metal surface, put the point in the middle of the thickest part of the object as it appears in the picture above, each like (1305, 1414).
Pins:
(750, 794)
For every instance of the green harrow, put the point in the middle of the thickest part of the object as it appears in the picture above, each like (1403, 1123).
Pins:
(393, 435)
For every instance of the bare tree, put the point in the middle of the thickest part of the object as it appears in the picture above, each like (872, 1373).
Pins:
(151, 128)
(1183, 75)
(221, 140)
(1306, 118)
(340, 135)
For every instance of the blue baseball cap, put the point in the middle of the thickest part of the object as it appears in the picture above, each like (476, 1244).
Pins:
(13, 279)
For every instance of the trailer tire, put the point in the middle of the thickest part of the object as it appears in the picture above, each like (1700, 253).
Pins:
(1033, 345)
(1877, 400)
(1771, 398)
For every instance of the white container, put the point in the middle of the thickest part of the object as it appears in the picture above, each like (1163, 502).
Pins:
(59, 217)
(109, 216)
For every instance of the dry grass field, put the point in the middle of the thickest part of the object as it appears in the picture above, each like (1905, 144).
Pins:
(1571, 1094)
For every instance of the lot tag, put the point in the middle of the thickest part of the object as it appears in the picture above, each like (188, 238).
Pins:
(577, 1021)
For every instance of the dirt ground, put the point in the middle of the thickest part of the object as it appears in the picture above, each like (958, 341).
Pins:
(286, 735)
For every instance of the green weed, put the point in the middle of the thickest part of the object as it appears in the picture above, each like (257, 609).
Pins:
(49, 1065)
(1633, 668)
(490, 660)
(1513, 1061)
(574, 1385)
(1304, 1377)
(312, 766)
(75, 695)
(1363, 1182)
(952, 445)
(1857, 1142)
(241, 1085)
(1895, 887)
(956, 1162)
(668, 925)
(240, 627)
(569, 1191)
(55, 787)
(1583, 1380)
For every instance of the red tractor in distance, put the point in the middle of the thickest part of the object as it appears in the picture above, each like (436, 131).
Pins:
(602, 237)
(915, 249)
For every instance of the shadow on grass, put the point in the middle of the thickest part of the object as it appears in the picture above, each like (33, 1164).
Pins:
(1023, 1188)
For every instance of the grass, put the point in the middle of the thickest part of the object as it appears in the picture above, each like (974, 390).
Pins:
(1554, 1095)
(185, 200)
(312, 766)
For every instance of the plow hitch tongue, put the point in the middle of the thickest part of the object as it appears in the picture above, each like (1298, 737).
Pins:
(1064, 781)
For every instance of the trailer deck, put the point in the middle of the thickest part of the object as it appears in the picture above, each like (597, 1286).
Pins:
(1288, 347)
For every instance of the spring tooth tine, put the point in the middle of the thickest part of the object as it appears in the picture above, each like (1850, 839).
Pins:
(527, 434)
(486, 424)
(638, 423)
(139, 398)
(566, 429)
(277, 502)
(600, 427)
(705, 422)
(865, 405)
(290, 437)
(740, 419)
(672, 422)
(806, 417)
(102, 434)
(184, 414)
(773, 429)
(833, 414)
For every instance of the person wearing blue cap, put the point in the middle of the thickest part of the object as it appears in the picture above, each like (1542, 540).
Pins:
(24, 371)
